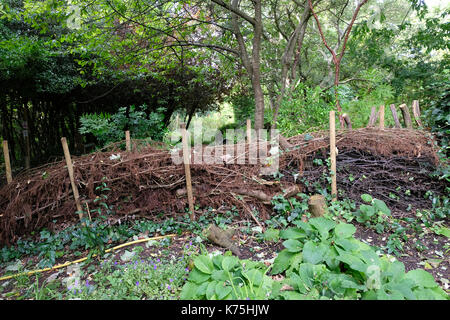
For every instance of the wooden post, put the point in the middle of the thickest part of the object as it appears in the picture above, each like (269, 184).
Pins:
(347, 121)
(416, 112)
(317, 205)
(333, 154)
(373, 117)
(72, 180)
(127, 140)
(26, 137)
(187, 169)
(381, 117)
(7, 161)
(406, 116)
(395, 116)
(249, 131)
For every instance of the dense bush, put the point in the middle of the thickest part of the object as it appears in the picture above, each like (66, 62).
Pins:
(111, 128)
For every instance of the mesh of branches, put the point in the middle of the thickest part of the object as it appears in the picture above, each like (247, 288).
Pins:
(146, 181)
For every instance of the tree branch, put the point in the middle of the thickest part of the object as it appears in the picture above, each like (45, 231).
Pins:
(236, 11)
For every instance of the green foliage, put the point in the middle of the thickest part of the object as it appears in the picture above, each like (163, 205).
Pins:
(223, 277)
(137, 279)
(243, 107)
(304, 110)
(374, 213)
(108, 129)
(290, 208)
(322, 260)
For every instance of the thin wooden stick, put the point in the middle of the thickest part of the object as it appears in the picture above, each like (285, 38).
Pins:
(416, 112)
(88, 212)
(76, 195)
(395, 116)
(381, 124)
(7, 161)
(187, 169)
(333, 155)
(128, 141)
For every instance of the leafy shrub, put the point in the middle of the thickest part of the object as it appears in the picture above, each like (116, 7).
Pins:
(227, 277)
(373, 213)
(322, 260)
(305, 110)
(111, 128)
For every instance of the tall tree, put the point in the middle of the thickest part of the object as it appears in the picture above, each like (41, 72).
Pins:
(337, 57)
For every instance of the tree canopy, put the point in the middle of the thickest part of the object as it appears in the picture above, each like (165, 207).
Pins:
(290, 61)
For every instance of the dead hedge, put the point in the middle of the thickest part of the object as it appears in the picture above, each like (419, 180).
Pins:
(145, 182)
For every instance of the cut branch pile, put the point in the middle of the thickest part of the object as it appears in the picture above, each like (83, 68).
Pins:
(146, 182)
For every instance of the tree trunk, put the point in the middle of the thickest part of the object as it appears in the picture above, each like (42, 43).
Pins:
(256, 66)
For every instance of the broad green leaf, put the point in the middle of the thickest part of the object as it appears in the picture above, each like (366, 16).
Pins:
(390, 295)
(346, 245)
(323, 225)
(443, 231)
(293, 245)
(282, 261)
(292, 233)
(381, 206)
(271, 234)
(188, 291)
(197, 276)
(405, 287)
(368, 211)
(204, 264)
(309, 273)
(293, 295)
(366, 198)
(254, 276)
(219, 275)
(354, 262)
(313, 253)
(201, 290)
(421, 278)
(211, 290)
(431, 294)
(217, 260)
(127, 255)
(344, 230)
(222, 290)
(228, 263)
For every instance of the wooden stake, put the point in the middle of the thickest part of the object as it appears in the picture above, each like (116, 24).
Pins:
(381, 117)
(187, 169)
(249, 131)
(416, 112)
(7, 161)
(317, 205)
(406, 115)
(395, 116)
(373, 117)
(347, 121)
(333, 154)
(26, 137)
(127, 140)
(76, 195)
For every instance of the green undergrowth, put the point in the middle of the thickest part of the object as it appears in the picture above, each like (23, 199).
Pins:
(96, 236)
(321, 259)
(128, 275)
